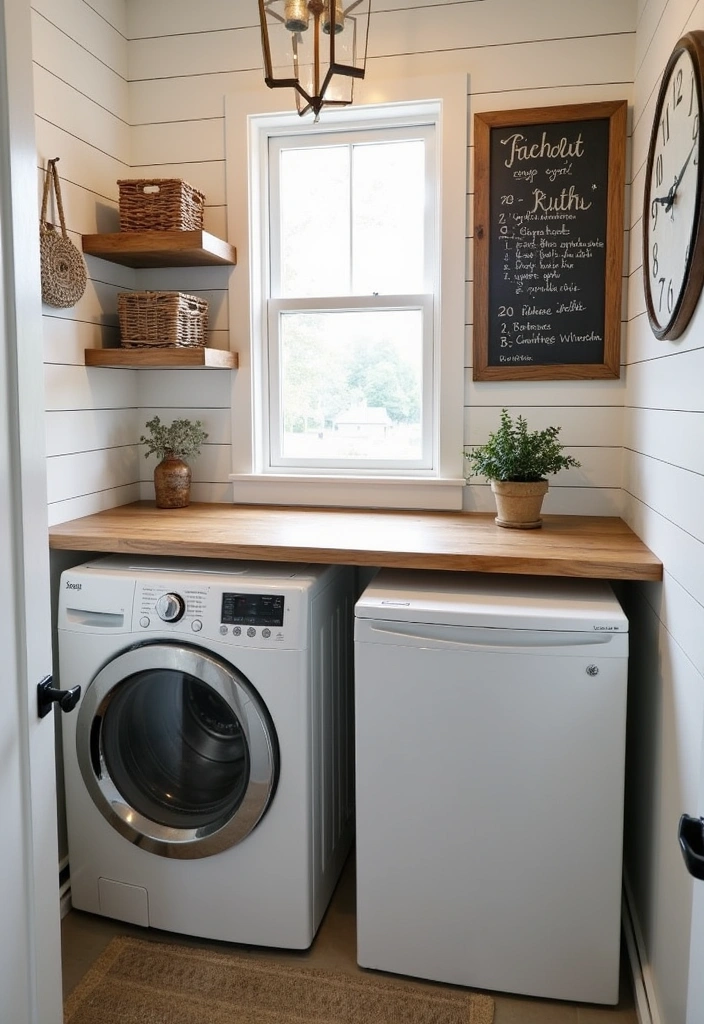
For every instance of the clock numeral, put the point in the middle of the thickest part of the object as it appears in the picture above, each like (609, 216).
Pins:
(656, 265)
(665, 125)
(695, 136)
(654, 207)
(691, 95)
(677, 89)
(668, 295)
(658, 170)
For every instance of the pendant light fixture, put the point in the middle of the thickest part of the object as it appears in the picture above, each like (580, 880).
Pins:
(316, 47)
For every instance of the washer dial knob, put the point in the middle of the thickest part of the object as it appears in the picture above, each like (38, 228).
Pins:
(170, 607)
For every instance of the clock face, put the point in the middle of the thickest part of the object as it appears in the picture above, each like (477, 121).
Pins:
(672, 275)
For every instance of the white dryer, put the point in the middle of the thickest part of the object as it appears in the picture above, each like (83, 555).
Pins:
(491, 734)
(209, 767)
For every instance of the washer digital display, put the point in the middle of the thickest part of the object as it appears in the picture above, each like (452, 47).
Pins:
(252, 609)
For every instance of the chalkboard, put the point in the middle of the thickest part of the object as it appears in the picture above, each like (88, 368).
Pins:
(548, 242)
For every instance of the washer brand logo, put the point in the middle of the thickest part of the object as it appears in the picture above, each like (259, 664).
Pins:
(607, 629)
(73, 586)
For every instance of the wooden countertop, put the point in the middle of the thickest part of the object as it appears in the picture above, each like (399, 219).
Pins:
(586, 546)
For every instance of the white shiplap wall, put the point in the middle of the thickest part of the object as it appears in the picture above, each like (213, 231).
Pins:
(136, 87)
(663, 499)
(184, 58)
(81, 104)
(95, 416)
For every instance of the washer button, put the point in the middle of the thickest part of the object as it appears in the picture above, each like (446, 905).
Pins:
(223, 630)
(251, 631)
(237, 631)
(266, 633)
(196, 625)
(144, 621)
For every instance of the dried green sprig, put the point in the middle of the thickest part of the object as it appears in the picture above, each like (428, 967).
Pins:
(181, 439)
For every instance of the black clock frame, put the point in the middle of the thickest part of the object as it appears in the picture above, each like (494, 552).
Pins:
(693, 43)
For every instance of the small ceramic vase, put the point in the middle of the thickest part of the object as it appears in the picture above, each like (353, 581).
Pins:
(172, 483)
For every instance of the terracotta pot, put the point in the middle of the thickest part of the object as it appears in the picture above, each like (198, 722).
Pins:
(519, 503)
(172, 483)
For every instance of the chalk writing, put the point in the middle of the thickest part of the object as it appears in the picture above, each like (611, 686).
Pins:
(547, 242)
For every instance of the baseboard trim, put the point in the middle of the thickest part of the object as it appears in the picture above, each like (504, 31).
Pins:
(643, 990)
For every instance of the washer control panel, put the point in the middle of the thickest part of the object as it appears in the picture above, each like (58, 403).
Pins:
(253, 618)
(233, 604)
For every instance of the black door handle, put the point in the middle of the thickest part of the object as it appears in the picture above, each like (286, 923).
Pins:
(47, 695)
(691, 836)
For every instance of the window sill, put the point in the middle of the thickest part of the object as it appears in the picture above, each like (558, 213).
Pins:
(349, 492)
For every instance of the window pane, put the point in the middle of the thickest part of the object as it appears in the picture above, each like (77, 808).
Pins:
(388, 204)
(315, 221)
(351, 385)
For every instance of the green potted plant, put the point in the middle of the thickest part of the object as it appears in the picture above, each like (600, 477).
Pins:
(517, 461)
(173, 445)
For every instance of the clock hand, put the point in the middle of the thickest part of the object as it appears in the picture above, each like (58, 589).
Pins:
(679, 177)
(668, 201)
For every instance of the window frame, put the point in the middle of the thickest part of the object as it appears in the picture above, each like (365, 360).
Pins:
(251, 117)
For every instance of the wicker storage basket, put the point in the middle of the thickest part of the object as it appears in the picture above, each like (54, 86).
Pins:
(162, 319)
(160, 204)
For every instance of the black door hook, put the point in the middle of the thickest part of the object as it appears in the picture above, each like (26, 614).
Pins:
(47, 695)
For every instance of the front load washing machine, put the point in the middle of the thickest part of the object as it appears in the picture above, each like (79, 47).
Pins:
(208, 769)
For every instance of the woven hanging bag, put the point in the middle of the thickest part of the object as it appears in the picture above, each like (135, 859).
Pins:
(63, 270)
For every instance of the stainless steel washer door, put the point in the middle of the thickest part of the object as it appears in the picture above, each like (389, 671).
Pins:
(176, 750)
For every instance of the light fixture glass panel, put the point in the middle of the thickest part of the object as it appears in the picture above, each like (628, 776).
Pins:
(316, 47)
(351, 385)
(388, 214)
(340, 88)
(315, 222)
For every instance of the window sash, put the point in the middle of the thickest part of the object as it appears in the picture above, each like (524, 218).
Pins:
(274, 420)
(355, 137)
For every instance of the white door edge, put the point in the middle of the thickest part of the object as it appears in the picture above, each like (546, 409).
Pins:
(30, 965)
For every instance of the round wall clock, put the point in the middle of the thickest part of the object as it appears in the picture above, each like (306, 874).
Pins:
(673, 237)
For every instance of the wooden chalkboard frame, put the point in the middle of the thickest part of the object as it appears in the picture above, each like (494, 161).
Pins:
(615, 113)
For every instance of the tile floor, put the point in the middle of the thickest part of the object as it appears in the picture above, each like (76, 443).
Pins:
(84, 936)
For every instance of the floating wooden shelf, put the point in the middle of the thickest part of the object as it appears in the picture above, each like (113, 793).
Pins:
(143, 249)
(162, 358)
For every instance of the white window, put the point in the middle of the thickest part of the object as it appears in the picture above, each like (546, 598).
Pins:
(356, 314)
(350, 338)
